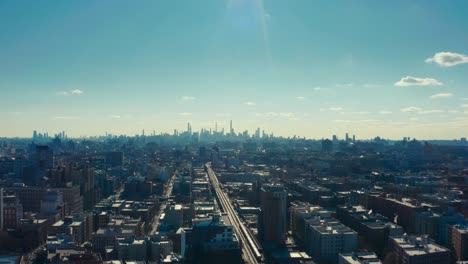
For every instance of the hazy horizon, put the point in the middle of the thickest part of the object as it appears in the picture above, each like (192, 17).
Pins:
(307, 68)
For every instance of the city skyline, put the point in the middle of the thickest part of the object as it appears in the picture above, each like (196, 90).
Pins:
(311, 69)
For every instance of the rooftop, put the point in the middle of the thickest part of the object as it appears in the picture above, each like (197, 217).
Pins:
(418, 245)
(360, 258)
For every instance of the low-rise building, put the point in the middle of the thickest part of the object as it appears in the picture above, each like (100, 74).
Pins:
(358, 258)
(418, 249)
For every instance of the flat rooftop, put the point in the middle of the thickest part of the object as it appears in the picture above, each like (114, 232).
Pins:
(361, 258)
(418, 245)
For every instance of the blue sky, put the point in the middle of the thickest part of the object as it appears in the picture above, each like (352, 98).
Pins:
(307, 68)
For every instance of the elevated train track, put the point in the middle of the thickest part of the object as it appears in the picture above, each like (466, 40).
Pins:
(250, 247)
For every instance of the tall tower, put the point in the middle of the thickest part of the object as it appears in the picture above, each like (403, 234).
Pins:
(231, 132)
(274, 215)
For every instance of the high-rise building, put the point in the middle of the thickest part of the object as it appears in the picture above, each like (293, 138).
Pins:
(1, 209)
(273, 224)
(52, 205)
(31, 198)
(174, 217)
(11, 211)
(460, 242)
(83, 176)
(72, 227)
(213, 241)
(130, 248)
(43, 157)
(323, 236)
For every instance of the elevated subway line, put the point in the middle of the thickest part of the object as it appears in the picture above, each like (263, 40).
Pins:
(250, 246)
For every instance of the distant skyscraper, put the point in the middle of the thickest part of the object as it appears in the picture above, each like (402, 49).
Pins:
(347, 137)
(273, 213)
(231, 130)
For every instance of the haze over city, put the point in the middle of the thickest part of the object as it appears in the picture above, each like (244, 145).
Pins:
(306, 68)
(233, 132)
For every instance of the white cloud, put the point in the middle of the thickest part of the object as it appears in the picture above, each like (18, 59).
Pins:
(431, 111)
(185, 114)
(418, 110)
(464, 105)
(250, 103)
(117, 116)
(414, 81)
(76, 91)
(441, 95)
(448, 59)
(335, 109)
(355, 121)
(300, 98)
(188, 98)
(344, 85)
(268, 114)
(384, 112)
(361, 113)
(287, 114)
(410, 109)
(72, 92)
